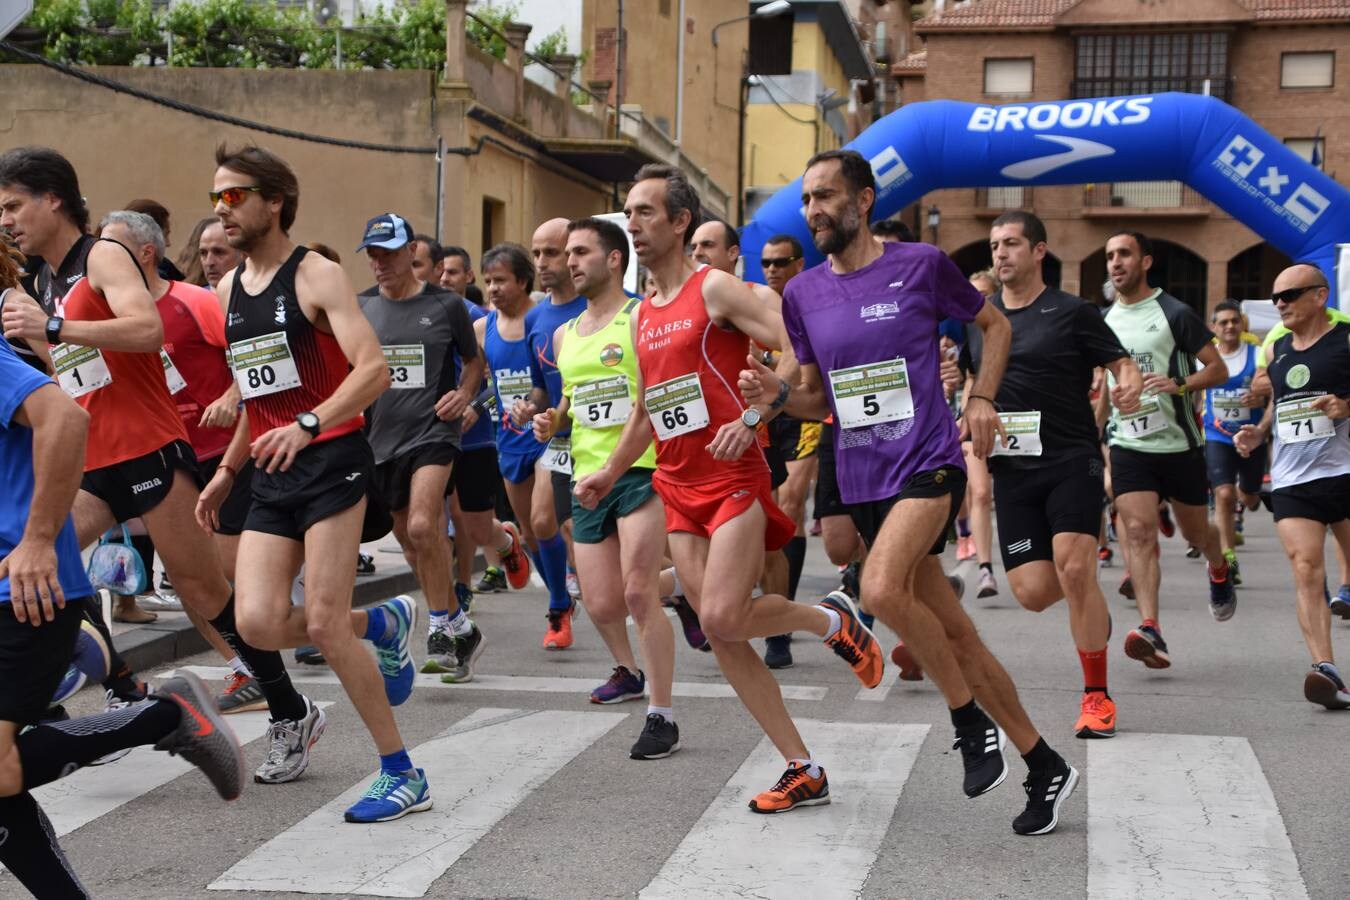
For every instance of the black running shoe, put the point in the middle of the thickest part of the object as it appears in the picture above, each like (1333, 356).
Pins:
(492, 582)
(658, 740)
(981, 749)
(202, 737)
(778, 651)
(310, 655)
(693, 631)
(850, 580)
(1046, 793)
(365, 564)
(468, 647)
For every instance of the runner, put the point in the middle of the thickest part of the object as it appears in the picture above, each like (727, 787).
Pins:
(1157, 451)
(307, 363)
(691, 337)
(43, 590)
(620, 543)
(1228, 407)
(1309, 371)
(217, 256)
(199, 378)
(868, 318)
(106, 336)
(979, 539)
(414, 426)
(1048, 471)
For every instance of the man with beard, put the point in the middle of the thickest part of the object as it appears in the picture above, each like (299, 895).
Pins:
(866, 320)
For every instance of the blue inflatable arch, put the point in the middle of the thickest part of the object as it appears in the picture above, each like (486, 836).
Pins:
(1198, 140)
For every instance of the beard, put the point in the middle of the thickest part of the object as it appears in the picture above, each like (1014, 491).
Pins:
(247, 238)
(841, 232)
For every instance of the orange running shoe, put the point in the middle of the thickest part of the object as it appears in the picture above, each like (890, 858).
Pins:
(1098, 719)
(909, 666)
(853, 641)
(559, 633)
(795, 788)
(515, 561)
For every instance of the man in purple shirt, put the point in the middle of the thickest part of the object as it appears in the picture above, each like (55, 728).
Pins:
(864, 327)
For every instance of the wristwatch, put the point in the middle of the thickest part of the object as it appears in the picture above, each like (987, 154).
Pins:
(309, 422)
(54, 324)
(1180, 382)
(750, 418)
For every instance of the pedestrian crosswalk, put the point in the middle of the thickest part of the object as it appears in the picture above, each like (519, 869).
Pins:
(1168, 816)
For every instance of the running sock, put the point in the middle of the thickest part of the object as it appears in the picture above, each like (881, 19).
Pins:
(553, 569)
(439, 620)
(510, 542)
(795, 551)
(1094, 669)
(1150, 623)
(237, 665)
(31, 852)
(55, 749)
(1040, 757)
(835, 622)
(398, 763)
(968, 716)
(459, 623)
(283, 700)
(1218, 575)
(963, 527)
(121, 680)
(678, 590)
(810, 765)
(665, 712)
(988, 567)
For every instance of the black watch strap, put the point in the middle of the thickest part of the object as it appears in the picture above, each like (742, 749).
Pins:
(54, 324)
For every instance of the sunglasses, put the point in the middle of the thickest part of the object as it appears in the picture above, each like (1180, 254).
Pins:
(233, 196)
(778, 262)
(1291, 294)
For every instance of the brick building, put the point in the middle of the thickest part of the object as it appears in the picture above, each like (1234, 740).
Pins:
(1284, 63)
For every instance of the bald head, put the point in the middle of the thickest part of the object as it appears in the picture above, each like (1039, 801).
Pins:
(716, 244)
(1299, 275)
(1300, 293)
(549, 249)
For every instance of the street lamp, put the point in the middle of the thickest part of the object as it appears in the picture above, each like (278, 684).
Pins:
(776, 8)
(934, 220)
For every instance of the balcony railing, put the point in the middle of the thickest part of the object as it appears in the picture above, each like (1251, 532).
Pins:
(1143, 195)
(1221, 87)
(1006, 197)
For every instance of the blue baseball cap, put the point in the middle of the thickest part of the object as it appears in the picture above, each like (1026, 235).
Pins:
(389, 232)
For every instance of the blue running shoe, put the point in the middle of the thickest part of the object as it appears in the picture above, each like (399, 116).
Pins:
(1340, 604)
(464, 594)
(391, 797)
(89, 663)
(394, 653)
(622, 685)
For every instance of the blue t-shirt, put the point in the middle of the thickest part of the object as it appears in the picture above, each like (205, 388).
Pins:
(483, 433)
(17, 381)
(509, 364)
(540, 323)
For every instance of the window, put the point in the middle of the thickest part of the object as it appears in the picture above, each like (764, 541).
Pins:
(1307, 70)
(1007, 76)
(494, 214)
(1109, 65)
(1313, 149)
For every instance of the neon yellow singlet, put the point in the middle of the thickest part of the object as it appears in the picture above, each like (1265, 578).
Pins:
(599, 373)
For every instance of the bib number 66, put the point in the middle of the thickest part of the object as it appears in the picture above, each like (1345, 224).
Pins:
(674, 417)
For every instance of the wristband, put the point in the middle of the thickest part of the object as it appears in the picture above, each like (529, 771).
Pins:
(234, 473)
(781, 400)
(970, 397)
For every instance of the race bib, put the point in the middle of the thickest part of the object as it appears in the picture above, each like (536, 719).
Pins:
(603, 403)
(1148, 420)
(1296, 421)
(558, 456)
(677, 407)
(1024, 434)
(407, 366)
(80, 370)
(872, 394)
(1228, 408)
(172, 377)
(264, 365)
(513, 388)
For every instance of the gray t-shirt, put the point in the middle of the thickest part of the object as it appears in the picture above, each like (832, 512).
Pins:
(417, 336)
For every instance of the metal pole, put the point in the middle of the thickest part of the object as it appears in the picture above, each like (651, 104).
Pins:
(679, 81)
(440, 189)
(339, 48)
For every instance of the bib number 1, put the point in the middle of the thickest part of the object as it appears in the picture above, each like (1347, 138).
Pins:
(80, 370)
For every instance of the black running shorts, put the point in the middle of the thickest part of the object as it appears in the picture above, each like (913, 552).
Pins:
(562, 496)
(33, 660)
(942, 481)
(1180, 477)
(476, 480)
(1325, 500)
(794, 438)
(234, 511)
(827, 500)
(1227, 466)
(325, 479)
(136, 486)
(1034, 505)
(393, 479)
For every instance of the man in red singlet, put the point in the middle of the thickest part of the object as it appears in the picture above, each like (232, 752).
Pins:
(692, 336)
(307, 363)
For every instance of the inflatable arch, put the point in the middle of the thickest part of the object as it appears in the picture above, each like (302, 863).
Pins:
(1198, 140)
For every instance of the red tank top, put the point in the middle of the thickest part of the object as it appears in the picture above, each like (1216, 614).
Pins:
(132, 414)
(679, 349)
(194, 339)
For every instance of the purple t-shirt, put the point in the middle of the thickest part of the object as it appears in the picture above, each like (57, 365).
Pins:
(873, 335)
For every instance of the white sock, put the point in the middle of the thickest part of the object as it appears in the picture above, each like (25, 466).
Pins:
(665, 712)
(679, 588)
(835, 621)
(510, 542)
(438, 620)
(812, 767)
(460, 624)
(238, 666)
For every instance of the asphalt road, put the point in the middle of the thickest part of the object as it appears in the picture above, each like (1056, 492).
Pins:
(536, 796)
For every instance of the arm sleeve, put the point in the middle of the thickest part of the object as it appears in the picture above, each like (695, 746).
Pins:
(956, 297)
(1095, 339)
(17, 381)
(801, 344)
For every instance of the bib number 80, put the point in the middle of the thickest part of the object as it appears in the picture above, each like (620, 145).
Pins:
(262, 376)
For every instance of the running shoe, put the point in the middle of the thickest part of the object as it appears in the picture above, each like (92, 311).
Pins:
(1046, 793)
(1192, 551)
(89, 663)
(202, 737)
(514, 561)
(622, 685)
(1098, 717)
(693, 631)
(958, 585)
(850, 579)
(1340, 604)
(310, 655)
(573, 586)
(658, 740)
(391, 796)
(288, 744)
(965, 548)
(160, 601)
(981, 749)
(1127, 588)
(988, 586)
(1222, 597)
(1233, 568)
(1165, 524)
(1105, 556)
(909, 666)
(778, 651)
(1145, 644)
(492, 582)
(111, 702)
(441, 655)
(464, 595)
(365, 564)
(853, 642)
(795, 788)
(242, 693)
(1324, 685)
(394, 651)
(468, 647)
(558, 635)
